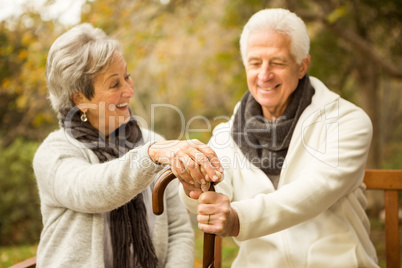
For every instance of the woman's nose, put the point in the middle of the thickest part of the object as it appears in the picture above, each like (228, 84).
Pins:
(128, 90)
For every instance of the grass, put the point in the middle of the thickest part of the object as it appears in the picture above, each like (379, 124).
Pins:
(14, 254)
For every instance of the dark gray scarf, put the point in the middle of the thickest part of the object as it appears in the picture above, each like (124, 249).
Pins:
(263, 142)
(128, 224)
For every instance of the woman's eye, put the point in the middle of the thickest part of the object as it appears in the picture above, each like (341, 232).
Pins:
(115, 85)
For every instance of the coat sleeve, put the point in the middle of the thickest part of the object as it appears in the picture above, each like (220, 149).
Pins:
(68, 176)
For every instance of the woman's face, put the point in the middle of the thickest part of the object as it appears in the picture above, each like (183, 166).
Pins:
(109, 108)
(272, 72)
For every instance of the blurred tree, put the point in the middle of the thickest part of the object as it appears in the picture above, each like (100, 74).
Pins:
(20, 219)
(23, 103)
(184, 59)
(185, 54)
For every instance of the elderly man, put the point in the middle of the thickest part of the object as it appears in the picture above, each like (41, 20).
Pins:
(294, 155)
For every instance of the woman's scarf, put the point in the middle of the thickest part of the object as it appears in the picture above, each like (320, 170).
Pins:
(264, 142)
(131, 242)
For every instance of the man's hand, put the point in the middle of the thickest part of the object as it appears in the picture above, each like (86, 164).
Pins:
(216, 216)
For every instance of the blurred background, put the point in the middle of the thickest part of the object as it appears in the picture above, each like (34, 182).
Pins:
(185, 62)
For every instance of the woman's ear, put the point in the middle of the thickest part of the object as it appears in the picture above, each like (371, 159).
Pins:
(304, 67)
(78, 99)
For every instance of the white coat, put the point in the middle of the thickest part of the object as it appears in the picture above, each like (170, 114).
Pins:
(316, 217)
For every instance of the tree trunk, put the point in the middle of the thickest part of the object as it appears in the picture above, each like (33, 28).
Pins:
(367, 78)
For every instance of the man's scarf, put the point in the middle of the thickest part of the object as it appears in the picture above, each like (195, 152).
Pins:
(263, 142)
(131, 242)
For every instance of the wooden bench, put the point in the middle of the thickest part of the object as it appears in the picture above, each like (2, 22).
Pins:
(389, 181)
(28, 263)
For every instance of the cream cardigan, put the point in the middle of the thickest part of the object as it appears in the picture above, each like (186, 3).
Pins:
(76, 191)
(316, 217)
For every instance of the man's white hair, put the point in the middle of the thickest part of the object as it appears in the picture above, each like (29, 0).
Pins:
(281, 21)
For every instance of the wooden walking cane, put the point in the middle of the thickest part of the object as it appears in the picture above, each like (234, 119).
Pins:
(157, 205)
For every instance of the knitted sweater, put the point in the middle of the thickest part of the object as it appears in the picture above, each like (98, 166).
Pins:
(76, 191)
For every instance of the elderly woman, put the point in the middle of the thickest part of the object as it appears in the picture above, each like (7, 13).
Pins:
(96, 172)
(294, 155)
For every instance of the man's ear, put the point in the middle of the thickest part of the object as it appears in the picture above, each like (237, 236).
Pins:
(304, 67)
(78, 99)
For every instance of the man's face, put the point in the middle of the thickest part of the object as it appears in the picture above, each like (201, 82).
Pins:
(272, 71)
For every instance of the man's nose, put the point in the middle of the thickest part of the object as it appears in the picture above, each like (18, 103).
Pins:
(265, 73)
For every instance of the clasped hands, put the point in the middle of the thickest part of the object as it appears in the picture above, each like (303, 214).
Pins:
(196, 166)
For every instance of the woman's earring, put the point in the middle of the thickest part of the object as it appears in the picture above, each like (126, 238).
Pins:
(84, 117)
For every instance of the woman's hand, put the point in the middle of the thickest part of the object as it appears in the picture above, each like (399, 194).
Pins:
(216, 216)
(194, 163)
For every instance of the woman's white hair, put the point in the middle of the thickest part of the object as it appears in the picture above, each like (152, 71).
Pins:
(74, 60)
(281, 21)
